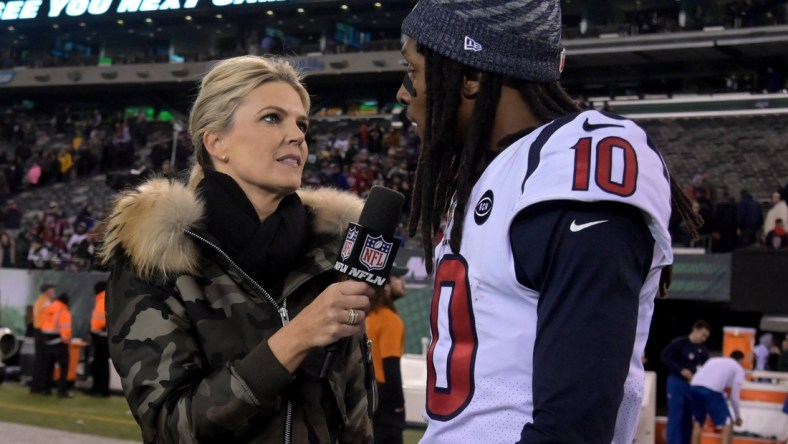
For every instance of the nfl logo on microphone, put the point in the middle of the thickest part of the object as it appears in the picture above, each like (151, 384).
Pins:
(375, 252)
(350, 240)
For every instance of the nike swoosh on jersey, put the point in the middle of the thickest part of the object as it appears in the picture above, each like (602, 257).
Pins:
(588, 127)
(574, 227)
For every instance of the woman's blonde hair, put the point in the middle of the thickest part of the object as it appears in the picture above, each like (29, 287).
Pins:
(223, 89)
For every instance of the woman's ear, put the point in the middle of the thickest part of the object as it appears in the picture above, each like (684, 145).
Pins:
(470, 83)
(213, 144)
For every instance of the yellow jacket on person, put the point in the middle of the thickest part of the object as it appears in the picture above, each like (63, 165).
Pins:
(66, 162)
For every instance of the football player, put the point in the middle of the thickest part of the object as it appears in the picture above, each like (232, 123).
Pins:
(556, 243)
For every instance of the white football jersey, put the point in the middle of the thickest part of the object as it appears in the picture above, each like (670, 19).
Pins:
(483, 320)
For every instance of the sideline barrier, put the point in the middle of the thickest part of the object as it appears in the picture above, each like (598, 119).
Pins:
(762, 409)
(647, 424)
(414, 387)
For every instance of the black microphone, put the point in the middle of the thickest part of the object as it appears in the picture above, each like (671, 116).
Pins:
(369, 249)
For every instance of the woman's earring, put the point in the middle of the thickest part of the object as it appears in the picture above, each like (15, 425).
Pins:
(225, 159)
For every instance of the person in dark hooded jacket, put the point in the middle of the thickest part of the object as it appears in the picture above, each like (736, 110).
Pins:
(749, 219)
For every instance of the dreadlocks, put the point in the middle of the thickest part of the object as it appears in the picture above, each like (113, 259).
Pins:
(448, 166)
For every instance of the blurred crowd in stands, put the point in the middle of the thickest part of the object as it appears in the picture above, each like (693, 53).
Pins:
(38, 155)
(728, 14)
(52, 240)
(731, 223)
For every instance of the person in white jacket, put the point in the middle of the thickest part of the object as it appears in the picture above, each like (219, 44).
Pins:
(708, 395)
(779, 210)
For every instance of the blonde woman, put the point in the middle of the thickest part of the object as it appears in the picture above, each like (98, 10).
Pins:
(221, 297)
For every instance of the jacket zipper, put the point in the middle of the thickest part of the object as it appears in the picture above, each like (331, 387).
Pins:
(283, 315)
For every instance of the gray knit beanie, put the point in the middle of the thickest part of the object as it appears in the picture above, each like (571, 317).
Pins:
(516, 38)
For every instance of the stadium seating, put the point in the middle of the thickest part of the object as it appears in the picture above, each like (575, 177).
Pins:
(737, 151)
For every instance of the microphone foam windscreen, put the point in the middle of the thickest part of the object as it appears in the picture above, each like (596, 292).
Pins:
(382, 210)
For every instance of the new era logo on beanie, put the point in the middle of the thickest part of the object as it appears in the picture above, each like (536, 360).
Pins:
(515, 38)
(471, 45)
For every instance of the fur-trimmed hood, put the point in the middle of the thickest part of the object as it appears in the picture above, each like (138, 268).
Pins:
(148, 224)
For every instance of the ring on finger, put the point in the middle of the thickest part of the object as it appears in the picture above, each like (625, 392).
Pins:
(352, 316)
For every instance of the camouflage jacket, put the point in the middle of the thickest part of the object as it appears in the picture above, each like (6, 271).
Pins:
(188, 329)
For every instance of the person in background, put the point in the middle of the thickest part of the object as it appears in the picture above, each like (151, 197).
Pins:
(708, 395)
(7, 250)
(528, 186)
(85, 216)
(222, 293)
(56, 328)
(749, 219)
(30, 331)
(22, 245)
(98, 335)
(77, 238)
(773, 362)
(682, 357)
(387, 333)
(167, 171)
(782, 363)
(777, 238)
(66, 161)
(725, 217)
(12, 218)
(762, 350)
(778, 211)
(45, 298)
(38, 255)
(34, 172)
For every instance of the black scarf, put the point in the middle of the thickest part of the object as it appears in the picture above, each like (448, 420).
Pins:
(265, 250)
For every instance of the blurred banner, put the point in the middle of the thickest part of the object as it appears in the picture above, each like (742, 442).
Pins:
(701, 277)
